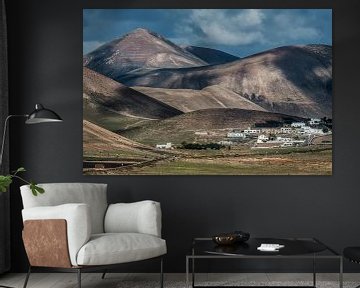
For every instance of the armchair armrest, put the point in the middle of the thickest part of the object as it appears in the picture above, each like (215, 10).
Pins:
(138, 217)
(77, 217)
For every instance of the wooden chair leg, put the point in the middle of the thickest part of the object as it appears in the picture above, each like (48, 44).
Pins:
(79, 277)
(27, 277)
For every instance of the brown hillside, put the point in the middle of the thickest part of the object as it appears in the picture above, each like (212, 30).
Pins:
(99, 142)
(102, 93)
(187, 100)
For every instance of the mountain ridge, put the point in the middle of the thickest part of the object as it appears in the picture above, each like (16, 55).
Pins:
(138, 49)
(211, 56)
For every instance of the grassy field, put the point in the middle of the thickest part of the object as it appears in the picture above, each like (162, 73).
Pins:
(291, 161)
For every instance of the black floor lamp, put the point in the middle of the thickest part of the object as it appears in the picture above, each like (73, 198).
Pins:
(39, 115)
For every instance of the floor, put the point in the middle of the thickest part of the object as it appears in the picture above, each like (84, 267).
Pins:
(120, 280)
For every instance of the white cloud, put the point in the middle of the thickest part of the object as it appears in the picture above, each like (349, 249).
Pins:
(241, 27)
(225, 27)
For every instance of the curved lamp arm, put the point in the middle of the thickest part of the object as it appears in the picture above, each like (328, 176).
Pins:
(39, 115)
(4, 134)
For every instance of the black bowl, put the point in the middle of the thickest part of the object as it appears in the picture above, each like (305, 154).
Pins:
(241, 236)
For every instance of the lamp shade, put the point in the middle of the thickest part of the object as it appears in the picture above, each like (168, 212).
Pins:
(42, 115)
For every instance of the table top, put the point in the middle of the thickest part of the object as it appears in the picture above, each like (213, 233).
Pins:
(293, 247)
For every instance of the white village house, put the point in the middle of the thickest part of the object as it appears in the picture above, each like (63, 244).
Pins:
(283, 139)
(250, 131)
(298, 124)
(314, 121)
(236, 135)
(164, 146)
(286, 130)
(262, 138)
(309, 130)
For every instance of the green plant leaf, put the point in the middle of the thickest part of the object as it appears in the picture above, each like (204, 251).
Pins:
(40, 189)
(20, 169)
(36, 189)
(5, 182)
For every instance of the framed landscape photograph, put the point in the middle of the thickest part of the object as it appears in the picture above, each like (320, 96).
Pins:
(207, 91)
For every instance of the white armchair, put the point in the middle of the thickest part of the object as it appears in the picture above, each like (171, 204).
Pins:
(72, 228)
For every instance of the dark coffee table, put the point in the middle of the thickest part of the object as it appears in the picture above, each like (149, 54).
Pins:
(295, 248)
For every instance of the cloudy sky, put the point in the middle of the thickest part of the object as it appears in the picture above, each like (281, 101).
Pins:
(240, 32)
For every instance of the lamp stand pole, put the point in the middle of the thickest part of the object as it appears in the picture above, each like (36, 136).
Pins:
(2, 151)
(4, 135)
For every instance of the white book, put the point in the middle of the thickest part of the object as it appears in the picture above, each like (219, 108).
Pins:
(270, 247)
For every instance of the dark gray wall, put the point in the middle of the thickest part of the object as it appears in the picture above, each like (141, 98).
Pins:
(45, 39)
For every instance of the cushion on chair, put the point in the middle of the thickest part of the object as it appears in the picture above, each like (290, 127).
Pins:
(92, 194)
(352, 253)
(137, 217)
(113, 248)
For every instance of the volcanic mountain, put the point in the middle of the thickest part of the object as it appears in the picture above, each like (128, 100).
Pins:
(293, 80)
(211, 56)
(101, 92)
(140, 49)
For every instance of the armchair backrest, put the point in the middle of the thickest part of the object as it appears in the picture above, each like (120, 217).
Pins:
(92, 194)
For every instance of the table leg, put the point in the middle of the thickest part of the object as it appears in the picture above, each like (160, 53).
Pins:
(341, 273)
(314, 271)
(187, 272)
(193, 272)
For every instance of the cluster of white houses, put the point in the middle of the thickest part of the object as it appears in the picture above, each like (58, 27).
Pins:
(294, 134)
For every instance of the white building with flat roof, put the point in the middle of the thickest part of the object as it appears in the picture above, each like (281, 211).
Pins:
(164, 146)
(283, 139)
(298, 124)
(314, 121)
(236, 135)
(309, 130)
(252, 131)
(286, 130)
(262, 138)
